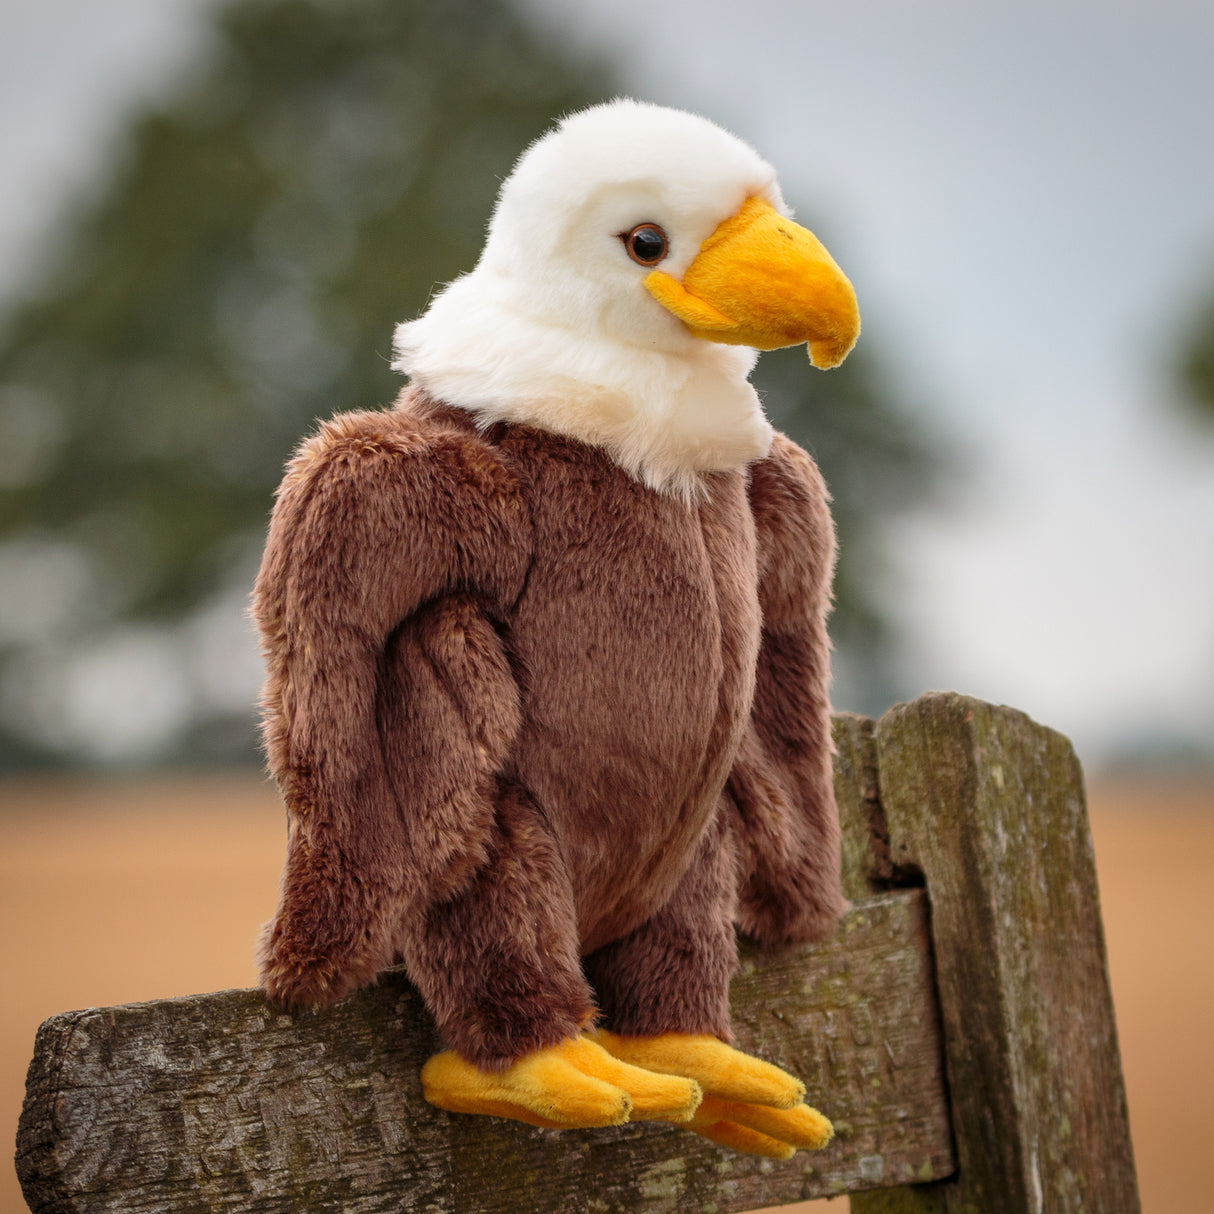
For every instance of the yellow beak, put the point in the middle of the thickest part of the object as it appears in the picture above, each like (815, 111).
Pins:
(761, 280)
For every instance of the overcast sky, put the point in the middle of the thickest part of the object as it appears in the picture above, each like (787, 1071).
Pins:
(1023, 194)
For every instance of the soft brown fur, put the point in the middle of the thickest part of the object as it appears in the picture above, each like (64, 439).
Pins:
(530, 716)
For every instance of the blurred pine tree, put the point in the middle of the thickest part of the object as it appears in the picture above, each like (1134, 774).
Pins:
(1196, 363)
(240, 277)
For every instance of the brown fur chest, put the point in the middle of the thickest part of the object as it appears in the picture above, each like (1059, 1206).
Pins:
(634, 643)
(506, 686)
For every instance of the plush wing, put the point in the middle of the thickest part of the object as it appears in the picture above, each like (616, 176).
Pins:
(787, 824)
(389, 702)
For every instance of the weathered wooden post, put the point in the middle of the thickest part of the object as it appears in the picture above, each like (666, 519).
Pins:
(988, 807)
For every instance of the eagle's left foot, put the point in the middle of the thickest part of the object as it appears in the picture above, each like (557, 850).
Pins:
(748, 1104)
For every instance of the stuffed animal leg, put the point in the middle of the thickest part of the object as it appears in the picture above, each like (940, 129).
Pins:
(689, 947)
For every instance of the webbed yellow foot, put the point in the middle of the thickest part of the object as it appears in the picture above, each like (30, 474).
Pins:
(571, 1085)
(749, 1105)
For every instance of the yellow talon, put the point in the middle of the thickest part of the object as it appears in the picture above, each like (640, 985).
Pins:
(749, 1142)
(789, 1129)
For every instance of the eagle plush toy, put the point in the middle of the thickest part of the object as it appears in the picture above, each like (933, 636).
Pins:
(548, 666)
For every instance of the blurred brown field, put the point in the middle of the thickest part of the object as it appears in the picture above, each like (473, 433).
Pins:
(112, 892)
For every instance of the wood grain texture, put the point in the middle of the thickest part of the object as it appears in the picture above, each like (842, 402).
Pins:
(990, 808)
(220, 1102)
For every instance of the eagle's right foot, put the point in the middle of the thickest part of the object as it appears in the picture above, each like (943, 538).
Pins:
(571, 1085)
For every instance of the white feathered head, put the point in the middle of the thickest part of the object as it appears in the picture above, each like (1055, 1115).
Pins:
(636, 257)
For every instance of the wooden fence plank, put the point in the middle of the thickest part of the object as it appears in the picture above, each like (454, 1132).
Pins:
(990, 808)
(220, 1102)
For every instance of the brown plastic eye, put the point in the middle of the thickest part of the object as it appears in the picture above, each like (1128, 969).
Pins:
(646, 244)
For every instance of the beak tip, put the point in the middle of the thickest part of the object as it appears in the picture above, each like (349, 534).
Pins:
(827, 354)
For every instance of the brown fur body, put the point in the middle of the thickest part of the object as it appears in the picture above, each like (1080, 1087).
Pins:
(539, 727)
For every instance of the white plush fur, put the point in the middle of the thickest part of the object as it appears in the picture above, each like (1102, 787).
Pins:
(554, 326)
